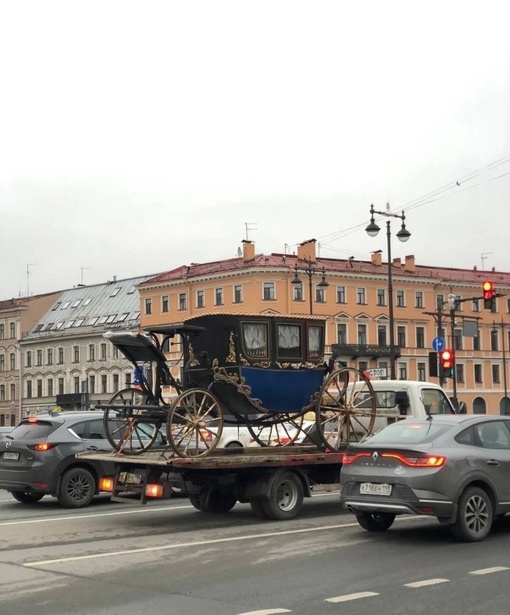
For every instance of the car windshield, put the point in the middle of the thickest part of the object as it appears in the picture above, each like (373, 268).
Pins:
(409, 432)
(32, 429)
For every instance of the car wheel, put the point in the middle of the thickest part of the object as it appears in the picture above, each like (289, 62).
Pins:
(474, 516)
(234, 445)
(77, 488)
(27, 498)
(375, 522)
(286, 499)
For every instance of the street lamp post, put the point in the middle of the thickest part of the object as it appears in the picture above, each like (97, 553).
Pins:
(403, 235)
(506, 401)
(310, 272)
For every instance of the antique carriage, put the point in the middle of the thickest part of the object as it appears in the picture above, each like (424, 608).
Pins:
(266, 372)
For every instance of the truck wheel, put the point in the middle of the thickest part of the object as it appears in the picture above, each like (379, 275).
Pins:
(286, 498)
(258, 509)
(375, 522)
(77, 488)
(474, 516)
(215, 500)
(27, 498)
(196, 501)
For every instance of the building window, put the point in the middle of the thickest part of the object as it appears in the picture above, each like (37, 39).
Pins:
(29, 358)
(92, 384)
(495, 374)
(103, 352)
(381, 297)
(401, 337)
(494, 339)
(104, 384)
(340, 294)
(298, 292)
(76, 382)
(2, 392)
(475, 305)
(361, 296)
(362, 366)
(320, 295)
(381, 335)
(478, 372)
(164, 305)
(29, 389)
(92, 352)
(268, 291)
(148, 305)
(218, 296)
(401, 298)
(182, 301)
(127, 379)
(60, 355)
(418, 299)
(2, 362)
(362, 335)
(2, 332)
(200, 298)
(341, 333)
(39, 388)
(13, 392)
(49, 356)
(60, 386)
(476, 341)
(422, 373)
(457, 339)
(115, 383)
(39, 357)
(50, 387)
(402, 371)
(76, 354)
(115, 352)
(12, 359)
(238, 293)
(459, 372)
(420, 337)
(440, 301)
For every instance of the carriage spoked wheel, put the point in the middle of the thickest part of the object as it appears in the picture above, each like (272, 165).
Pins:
(195, 423)
(128, 429)
(280, 429)
(345, 410)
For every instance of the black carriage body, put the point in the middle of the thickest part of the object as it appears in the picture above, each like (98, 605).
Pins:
(257, 363)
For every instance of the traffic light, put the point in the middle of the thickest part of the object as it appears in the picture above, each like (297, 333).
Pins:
(489, 293)
(447, 363)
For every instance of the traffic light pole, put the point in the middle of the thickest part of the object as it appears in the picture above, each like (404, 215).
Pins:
(454, 370)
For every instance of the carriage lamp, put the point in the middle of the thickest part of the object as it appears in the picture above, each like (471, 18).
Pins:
(403, 235)
(310, 272)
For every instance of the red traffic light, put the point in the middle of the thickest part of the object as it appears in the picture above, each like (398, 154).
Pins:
(488, 289)
(447, 358)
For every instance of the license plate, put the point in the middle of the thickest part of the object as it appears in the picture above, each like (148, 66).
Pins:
(375, 489)
(126, 478)
(11, 456)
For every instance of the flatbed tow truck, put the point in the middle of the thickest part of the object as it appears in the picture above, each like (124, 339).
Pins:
(273, 480)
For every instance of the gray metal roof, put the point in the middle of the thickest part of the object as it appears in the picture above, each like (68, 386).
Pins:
(115, 304)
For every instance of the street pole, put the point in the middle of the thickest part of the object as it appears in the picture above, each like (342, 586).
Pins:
(310, 272)
(454, 371)
(390, 306)
(506, 405)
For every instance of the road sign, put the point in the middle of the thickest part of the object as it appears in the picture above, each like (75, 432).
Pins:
(438, 344)
(380, 372)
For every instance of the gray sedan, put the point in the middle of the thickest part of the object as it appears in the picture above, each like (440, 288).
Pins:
(455, 468)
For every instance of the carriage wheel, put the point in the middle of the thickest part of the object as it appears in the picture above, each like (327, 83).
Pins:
(278, 430)
(195, 423)
(125, 427)
(345, 408)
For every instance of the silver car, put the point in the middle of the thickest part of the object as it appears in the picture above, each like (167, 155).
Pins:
(455, 468)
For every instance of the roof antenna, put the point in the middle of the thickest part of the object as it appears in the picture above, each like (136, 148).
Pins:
(249, 226)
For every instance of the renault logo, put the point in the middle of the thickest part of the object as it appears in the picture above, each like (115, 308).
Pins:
(7, 444)
(375, 456)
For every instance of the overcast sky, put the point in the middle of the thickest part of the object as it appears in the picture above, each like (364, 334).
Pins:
(140, 136)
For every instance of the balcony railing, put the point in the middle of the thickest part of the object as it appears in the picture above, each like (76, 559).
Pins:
(355, 351)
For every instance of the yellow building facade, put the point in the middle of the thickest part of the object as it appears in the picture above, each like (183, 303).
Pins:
(354, 296)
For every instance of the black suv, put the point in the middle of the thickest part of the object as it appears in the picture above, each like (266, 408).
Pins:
(38, 458)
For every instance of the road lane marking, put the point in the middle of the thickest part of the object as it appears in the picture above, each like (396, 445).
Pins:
(93, 515)
(489, 570)
(348, 597)
(266, 612)
(426, 583)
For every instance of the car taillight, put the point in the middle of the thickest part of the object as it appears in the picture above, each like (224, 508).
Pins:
(418, 461)
(351, 457)
(42, 446)
(106, 484)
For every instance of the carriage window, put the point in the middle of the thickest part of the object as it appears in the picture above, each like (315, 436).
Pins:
(255, 336)
(314, 342)
(289, 341)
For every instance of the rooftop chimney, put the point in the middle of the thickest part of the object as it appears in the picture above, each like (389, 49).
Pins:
(397, 262)
(248, 250)
(376, 258)
(410, 264)
(306, 251)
